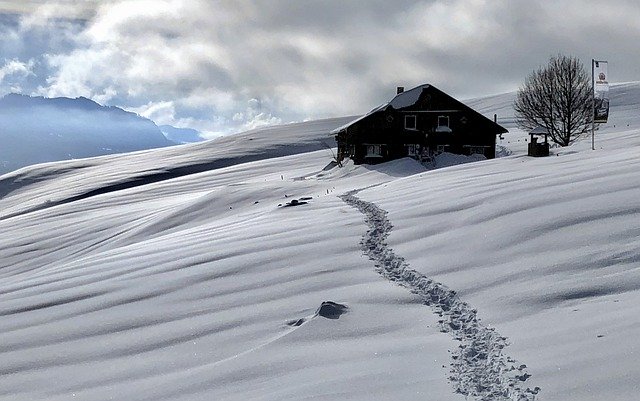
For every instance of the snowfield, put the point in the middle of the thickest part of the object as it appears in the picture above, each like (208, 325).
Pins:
(182, 273)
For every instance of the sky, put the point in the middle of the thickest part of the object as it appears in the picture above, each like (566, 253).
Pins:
(231, 65)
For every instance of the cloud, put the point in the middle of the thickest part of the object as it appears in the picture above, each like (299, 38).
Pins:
(13, 73)
(16, 68)
(230, 65)
(161, 113)
(256, 115)
(69, 9)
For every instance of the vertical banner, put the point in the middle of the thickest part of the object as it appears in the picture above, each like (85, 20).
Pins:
(600, 91)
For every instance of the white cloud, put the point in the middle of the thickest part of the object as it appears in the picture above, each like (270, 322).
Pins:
(16, 68)
(256, 116)
(162, 113)
(51, 9)
(314, 59)
(13, 74)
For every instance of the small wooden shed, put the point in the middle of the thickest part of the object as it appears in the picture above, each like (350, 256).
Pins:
(537, 146)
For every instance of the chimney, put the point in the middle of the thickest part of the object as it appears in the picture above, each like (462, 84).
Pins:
(400, 89)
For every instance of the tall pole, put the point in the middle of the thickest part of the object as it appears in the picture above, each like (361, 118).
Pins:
(593, 105)
(553, 126)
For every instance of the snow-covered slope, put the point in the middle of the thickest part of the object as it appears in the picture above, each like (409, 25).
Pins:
(625, 98)
(37, 130)
(625, 113)
(180, 274)
(76, 179)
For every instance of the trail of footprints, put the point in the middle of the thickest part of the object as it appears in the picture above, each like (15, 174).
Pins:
(479, 367)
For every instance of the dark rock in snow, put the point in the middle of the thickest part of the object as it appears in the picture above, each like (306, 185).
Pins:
(294, 202)
(296, 323)
(332, 310)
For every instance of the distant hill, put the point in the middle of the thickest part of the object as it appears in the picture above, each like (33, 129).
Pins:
(37, 129)
(624, 103)
(181, 135)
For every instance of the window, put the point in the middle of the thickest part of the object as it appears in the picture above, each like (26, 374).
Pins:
(410, 122)
(374, 151)
(412, 150)
(443, 124)
(476, 150)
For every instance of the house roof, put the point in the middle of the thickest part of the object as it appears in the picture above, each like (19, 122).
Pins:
(362, 117)
(409, 98)
(404, 99)
(539, 131)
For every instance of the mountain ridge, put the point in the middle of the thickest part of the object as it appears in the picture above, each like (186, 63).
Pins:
(38, 130)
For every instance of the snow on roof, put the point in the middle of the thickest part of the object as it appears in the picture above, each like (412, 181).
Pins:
(539, 130)
(404, 99)
(407, 98)
(347, 125)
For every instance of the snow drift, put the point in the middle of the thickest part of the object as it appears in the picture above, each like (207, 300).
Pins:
(199, 286)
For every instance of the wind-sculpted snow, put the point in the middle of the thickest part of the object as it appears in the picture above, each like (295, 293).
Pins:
(173, 274)
(479, 368)
(84, 178)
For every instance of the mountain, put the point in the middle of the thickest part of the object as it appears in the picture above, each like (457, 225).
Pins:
(181, 135)
(37, 130)
(189, 273)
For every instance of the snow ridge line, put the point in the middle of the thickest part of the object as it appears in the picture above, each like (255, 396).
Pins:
(479, 368)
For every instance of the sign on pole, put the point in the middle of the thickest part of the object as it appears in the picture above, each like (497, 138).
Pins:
(600, 91)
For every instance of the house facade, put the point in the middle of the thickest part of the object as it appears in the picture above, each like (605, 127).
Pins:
(419, 123)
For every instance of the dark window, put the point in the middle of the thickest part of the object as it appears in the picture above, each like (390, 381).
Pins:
(476, 150)
(412, 149)
(410, 122)
(443, 124)
(374, 151)
(443, 121)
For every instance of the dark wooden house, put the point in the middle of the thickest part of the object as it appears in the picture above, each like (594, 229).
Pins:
(420, 123)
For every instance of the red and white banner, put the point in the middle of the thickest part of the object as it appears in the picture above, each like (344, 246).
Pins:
(600, 91)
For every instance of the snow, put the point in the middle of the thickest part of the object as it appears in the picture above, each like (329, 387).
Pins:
(404, 99)
(546, 252)
(173, 274)
(407, 98)
(450, 159)
(539, 130)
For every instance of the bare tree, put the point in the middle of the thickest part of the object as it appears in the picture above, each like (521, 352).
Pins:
(334, 156)
(557, 97)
